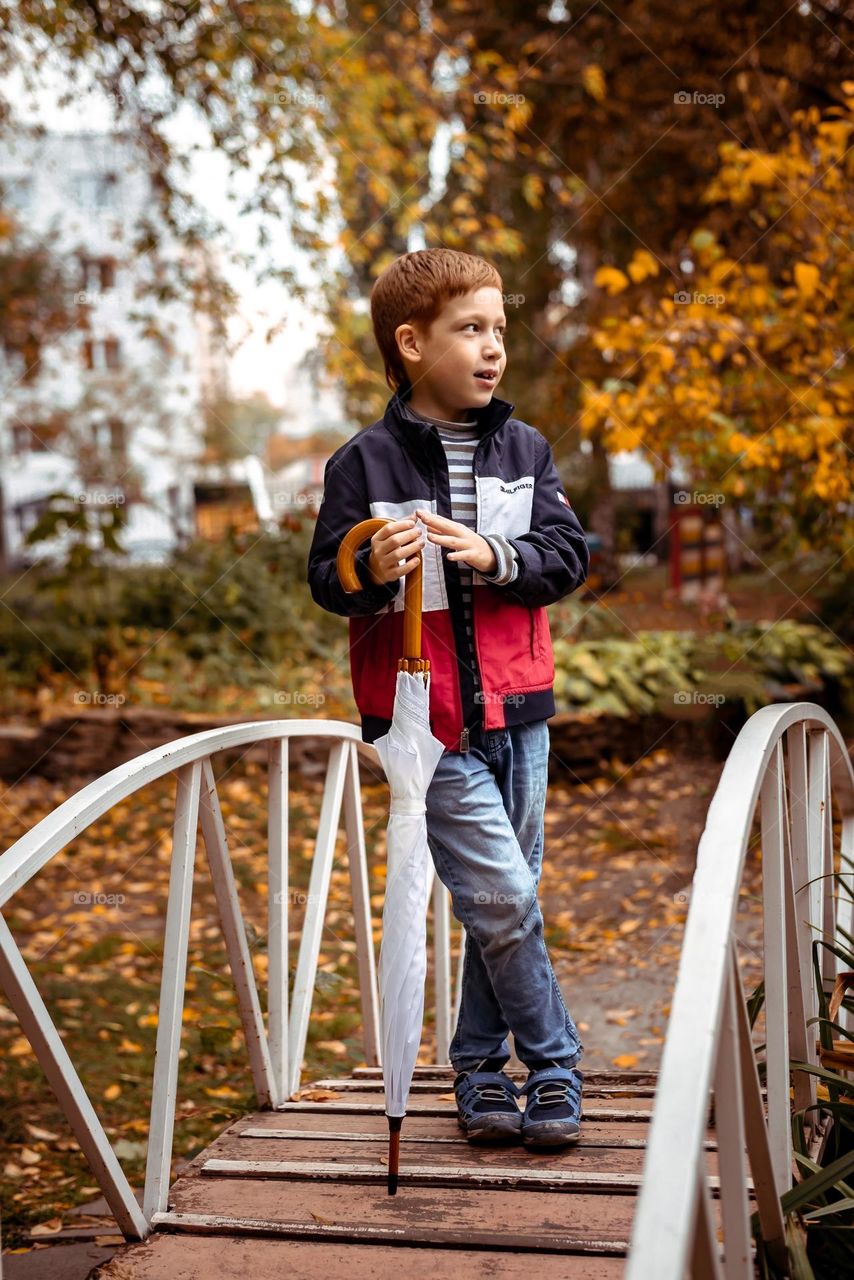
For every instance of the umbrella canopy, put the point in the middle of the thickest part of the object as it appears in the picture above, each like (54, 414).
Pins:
(409, 753)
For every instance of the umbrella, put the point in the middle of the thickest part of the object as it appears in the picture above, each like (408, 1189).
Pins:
(409, 753)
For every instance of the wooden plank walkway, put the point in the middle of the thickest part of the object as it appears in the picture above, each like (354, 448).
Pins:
(302, 1190)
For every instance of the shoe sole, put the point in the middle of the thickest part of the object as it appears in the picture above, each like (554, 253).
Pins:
(494, 1132)
(550, 1139)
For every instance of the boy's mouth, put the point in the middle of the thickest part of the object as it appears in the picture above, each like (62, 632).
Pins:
(487, 376)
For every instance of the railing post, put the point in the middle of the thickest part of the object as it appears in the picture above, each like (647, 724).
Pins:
(170, 1010)
(442, 967)
(776, 984)
(361, 898)
(234, 933)
(278, 915)
(315, 910)
(37, 1026)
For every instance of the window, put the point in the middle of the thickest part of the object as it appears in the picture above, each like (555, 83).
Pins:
(97, 274)
(109, 437)
(16, 192)
(27, 438)
(101, 355)
(93, 190)
(112, 354)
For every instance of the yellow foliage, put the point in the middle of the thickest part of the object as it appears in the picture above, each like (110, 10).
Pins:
(610, 279)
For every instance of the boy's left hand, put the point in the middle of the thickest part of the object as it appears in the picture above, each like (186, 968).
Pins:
(467, 545)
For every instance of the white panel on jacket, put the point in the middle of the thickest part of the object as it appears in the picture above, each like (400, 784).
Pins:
(503, 506)
(434, 595)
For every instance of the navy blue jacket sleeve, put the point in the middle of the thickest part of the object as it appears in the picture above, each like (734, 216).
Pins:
(554, 557)
(344, 504)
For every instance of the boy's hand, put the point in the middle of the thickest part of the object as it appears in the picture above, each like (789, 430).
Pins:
(467, 545)
(398, 540)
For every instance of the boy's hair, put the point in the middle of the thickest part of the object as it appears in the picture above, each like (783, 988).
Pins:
(414, 289)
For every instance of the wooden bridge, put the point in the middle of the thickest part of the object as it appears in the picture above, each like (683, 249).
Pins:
(670, 1166)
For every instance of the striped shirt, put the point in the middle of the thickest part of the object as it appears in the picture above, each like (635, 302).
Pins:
(459, 440)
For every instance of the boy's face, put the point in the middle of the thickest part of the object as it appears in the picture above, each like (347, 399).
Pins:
(465, 340)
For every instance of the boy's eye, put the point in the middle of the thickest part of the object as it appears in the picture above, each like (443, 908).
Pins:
(472, 324)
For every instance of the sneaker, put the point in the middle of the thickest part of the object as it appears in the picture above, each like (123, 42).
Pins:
(552, 1106)
(486, 1104)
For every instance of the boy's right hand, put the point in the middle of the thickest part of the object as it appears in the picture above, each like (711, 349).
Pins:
(394, 550)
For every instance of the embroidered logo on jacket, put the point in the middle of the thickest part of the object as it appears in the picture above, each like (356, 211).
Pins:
(564, 499)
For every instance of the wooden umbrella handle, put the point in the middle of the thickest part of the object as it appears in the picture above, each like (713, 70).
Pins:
(345, 564)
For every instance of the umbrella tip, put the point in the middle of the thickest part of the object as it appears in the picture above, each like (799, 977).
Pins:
(394, 1123)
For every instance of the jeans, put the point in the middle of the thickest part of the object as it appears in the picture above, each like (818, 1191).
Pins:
(485, 832)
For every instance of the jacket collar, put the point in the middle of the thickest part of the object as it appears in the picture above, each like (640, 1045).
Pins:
(420, 437)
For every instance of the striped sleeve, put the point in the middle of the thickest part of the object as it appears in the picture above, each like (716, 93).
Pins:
(506, 557)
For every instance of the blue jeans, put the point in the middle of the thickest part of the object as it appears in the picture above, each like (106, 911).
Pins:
(485, 832)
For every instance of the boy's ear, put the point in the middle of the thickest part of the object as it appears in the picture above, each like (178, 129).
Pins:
(407, 340)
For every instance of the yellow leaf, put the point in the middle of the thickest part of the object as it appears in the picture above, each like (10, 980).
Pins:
(806, 278)
(625, 1061)
(611, 279)
(593, 80)
(112, 1091)
(643, 264)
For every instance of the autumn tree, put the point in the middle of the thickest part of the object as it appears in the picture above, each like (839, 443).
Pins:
(742, 370)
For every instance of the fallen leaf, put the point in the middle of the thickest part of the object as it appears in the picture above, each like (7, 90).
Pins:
(327, 1222)
(626, 1061)
(28, 1156)
(48, 1228)
(112, 1091)
(42, 1135)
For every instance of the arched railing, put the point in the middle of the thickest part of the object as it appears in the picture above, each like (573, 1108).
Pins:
(791, 761)
(276, 1053)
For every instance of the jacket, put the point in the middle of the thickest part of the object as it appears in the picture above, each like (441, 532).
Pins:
(390, 469)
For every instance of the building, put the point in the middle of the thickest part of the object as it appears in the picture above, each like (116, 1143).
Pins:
(115, 409)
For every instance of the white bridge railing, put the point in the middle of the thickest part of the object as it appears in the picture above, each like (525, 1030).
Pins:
(276, 1053)
(789, 760)
(792, 762)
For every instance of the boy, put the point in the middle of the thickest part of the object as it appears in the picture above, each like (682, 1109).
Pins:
(477, 494)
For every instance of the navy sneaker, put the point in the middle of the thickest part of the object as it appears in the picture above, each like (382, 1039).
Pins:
(486, 1104)
(552, 1106)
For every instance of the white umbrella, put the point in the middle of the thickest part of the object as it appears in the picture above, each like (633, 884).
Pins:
(409, 753)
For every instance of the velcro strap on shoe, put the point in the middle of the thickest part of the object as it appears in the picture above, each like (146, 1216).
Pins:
(571, 1074)
(475, 1078)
